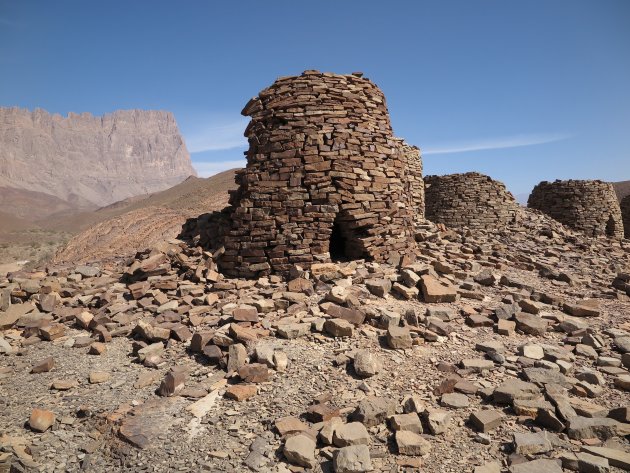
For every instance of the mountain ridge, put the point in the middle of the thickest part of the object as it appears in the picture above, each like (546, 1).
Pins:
(128, 226)
(89, 160)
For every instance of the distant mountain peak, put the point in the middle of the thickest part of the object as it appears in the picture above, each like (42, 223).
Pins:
(90, 160)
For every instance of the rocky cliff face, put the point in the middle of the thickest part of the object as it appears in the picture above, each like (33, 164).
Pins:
(88, 160)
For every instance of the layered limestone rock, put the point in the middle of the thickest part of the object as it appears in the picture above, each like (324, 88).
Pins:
(470, 200)
(88, 160)
(587, 206)
(325, 177)
(625, 213)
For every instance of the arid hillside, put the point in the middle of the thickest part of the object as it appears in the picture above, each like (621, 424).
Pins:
(128, 226)
(56, 171)
(23, 240)
(32, 206)
(119, 228)
(622, 188)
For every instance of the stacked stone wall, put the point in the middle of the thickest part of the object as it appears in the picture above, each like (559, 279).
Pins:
(470, 200)
(414, 184)
(590, 207)
(322, 157)
(625, 215)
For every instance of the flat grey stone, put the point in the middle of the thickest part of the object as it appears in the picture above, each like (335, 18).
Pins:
(353, 459)
(541, 465)
(617, 458)
(545, 376)
(531, 443)
(588, 463)
(455, 400)
(590, 427)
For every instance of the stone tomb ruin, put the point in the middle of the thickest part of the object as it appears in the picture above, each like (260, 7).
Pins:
(590, 207)
(625, 214)
(325, 178)
(470, 200)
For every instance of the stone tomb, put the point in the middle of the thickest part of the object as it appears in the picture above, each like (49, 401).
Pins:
(625, 214)
(470, 200)
(590, 207)
(325, 179)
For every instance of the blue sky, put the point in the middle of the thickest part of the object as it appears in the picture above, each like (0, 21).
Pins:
(521, 90)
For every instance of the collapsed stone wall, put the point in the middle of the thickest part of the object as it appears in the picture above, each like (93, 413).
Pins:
(587, 206)
(625, 214)
(324, 177)
(470, 200)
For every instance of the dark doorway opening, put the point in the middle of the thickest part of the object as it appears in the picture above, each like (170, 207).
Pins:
(611, 228)
(337, 245)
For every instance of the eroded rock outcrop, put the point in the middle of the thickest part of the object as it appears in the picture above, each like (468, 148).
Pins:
(89, 160)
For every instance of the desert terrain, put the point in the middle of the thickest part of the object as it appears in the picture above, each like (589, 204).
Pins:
(497, 342)
(119, 228)
(298, 237)
(511, 348)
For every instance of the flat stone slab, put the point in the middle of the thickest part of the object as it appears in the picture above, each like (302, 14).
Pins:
(295, 330)
(353, 459)
(531, 324)
(201, 407)
(353, 433)
(592, 463)
(410, 443)
(145, 423)
(486, 420)
(434, 292)
(13, 314)
(300, 450)
(289, 424)
(409, 421)
(477, 364)
(615, 457)
(545, 376)
(514, 389)
(541, 465)
(455, 400)
(582, 309)
(590, 427)
(531, 443)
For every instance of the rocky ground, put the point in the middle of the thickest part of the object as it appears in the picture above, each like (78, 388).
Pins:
(493, 352)
(29, 247)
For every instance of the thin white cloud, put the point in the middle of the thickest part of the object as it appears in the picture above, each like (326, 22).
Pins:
(496, 143)
(215, 136)
(210, 168)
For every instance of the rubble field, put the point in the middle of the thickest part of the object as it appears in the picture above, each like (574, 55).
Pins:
(494, 351)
